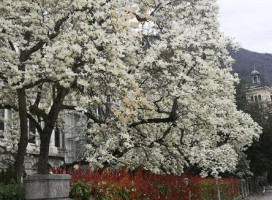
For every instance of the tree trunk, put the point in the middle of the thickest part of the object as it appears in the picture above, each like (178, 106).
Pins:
(44, 152)
(22, 145)
(48, 129)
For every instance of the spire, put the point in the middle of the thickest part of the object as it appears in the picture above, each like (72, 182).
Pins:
(255, 76)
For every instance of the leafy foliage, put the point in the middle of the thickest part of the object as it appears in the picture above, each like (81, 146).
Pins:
(146, 74)
(8, 176)
(144, 185)
(80, 190)
(259, 154)
(12, 192)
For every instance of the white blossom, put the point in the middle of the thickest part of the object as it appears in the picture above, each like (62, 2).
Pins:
(153, 78)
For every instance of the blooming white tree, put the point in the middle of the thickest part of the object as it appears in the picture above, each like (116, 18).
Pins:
(56, 53)
(184, 111)
(151, 68)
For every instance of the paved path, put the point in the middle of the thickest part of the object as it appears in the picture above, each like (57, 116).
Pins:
(266, 196)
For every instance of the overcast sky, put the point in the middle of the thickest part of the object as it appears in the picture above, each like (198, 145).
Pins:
(249, 22)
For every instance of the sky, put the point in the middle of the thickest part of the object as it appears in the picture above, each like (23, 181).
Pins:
(249, 22)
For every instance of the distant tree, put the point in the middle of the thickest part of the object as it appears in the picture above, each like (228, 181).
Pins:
(260, 152)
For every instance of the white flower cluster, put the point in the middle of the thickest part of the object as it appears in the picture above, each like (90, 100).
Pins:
(187, 63)
(9, 140)
(154, 78)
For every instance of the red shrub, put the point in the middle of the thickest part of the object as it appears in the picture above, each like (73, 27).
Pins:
(144, 185)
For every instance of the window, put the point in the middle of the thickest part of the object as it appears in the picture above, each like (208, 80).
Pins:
(62, 141)
(32, 132)
(255, 79)
(256, 98)
(259, 97)
(57, 137)
(100, 111)
(252, 98)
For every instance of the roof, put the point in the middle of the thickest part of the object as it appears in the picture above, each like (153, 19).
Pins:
(255, 72)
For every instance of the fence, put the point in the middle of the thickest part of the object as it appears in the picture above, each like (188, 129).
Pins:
(215, 190)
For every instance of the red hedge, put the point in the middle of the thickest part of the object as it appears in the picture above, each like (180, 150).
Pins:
(144, 185)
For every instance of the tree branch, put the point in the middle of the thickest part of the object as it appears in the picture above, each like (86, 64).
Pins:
(158, 107)
(88, 114)
(12, 46)
(40, 81)
(153, 120)
(35, 122)
(140, 19)
(29, 116)
(25, 55)
(157, 7)
(172, 117)
(3, 78)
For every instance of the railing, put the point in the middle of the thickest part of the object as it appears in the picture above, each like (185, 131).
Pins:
(219, 189)
(245, 188)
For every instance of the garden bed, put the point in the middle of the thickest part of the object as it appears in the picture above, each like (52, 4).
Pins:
(144, 185)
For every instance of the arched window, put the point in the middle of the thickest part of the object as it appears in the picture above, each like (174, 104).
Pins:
(255, 79)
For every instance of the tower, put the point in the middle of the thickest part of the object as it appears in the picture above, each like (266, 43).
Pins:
(255, 77)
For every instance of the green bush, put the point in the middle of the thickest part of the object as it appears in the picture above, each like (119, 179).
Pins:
(12, 192)
(8, 176)
(80, 190)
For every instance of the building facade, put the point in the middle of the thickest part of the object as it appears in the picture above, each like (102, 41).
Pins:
(258, 93)
(66, 146)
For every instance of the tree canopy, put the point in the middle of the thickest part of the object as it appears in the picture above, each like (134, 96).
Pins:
(153, 68)
(259, 153)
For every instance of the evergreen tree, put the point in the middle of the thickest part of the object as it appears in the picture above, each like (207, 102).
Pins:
(260, 153)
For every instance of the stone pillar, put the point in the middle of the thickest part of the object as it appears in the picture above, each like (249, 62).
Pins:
(56, 186)
(52, 139)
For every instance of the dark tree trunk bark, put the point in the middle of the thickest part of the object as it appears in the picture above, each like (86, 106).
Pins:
(48, 129)
(22, 145)
(44, 152)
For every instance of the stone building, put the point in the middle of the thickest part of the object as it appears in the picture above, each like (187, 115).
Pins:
(66, 146)
(257, 92)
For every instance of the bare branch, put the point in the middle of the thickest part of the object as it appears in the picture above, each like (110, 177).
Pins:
(7, 106)
(25, 55)
(140, 19)
(155, 10)
(158, 107)
(40, 81)
(29, 116)
(12, 46)
(35, 122)
(3, 78)
(172, 117)
(150, 121)
(89, 114)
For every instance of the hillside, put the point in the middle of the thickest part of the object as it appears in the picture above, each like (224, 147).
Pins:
(246, 61)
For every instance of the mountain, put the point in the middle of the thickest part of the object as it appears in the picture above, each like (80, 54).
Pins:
(246, 61)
